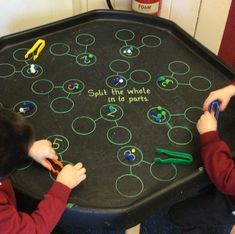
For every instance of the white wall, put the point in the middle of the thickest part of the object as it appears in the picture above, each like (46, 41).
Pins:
(211, 22)
(185, 14)
(203, 19)
(17, 15)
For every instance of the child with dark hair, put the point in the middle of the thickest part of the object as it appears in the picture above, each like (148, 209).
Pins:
(215, 209)
(16, 144)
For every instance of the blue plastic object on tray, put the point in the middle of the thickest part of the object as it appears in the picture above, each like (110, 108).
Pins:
(214, 106)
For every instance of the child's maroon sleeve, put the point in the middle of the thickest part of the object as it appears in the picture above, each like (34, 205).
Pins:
(42, 220)
(233, 82)
(218, 162)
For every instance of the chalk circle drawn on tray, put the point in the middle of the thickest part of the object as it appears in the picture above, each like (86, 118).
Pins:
(167, 83)
(42, 87)
(179, 67)
(137, 159)
(200, 83)
(83, 125)
(116, 82)
(125, 35)
(140, 76)
(158, 115)
(180, 135)
(129, 51)
(111, 116)
(26, 164)
(60, 143)
(73, 86)
(85, 39)
(27, 74)
(158, 172)
(86, 59)
(6, 70)
(119, 135)
(193, 113)
(59, 49)
(151, 41)
(62, 105)
(129, 185)
(27, 108)
(119, 66)
(18, 55)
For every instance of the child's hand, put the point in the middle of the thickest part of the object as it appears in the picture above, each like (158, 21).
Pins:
(222, 95)
(72, 176)
(41, 150)
(207, 123)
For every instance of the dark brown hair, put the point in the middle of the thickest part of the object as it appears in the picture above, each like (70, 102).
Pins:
(16, 136)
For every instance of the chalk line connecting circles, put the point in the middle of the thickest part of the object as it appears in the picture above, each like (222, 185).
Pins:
(8, 70)
(180, 68)
(131, 156)
(130, 50)
(117, 135)
(85, 58)
(120, 81)
(63, 104)
(159, 115)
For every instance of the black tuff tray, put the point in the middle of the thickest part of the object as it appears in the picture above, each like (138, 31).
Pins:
(97, 96)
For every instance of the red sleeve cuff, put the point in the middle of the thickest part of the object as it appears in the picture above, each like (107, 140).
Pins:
(233, 82)
(209, 137)
(60, 191)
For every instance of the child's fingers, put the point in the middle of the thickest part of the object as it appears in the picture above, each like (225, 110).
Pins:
(78, 165)
(223, 105)
(208, 113)
(53, 154)
(49, 142)
(83, 177)
(207, 103)
(45, 164)
(81, 171)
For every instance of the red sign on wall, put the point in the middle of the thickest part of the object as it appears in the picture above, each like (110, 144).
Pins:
(227, 47)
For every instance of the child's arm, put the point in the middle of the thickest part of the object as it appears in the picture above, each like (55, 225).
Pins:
(41, 150)
(224, 95)
(49, 210)
(216, 155)
(218, 162)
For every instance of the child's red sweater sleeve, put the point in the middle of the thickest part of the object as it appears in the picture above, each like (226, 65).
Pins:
(218, 162)
(42, 220)
(233, 82)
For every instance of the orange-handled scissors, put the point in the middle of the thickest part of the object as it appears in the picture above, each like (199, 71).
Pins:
(56, 162)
